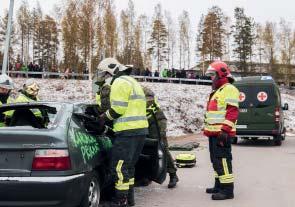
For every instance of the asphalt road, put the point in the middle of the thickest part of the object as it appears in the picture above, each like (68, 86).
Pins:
(264, 176)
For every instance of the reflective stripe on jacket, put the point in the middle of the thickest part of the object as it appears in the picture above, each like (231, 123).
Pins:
(7, 113)
(127, 99)
(98, 99)
(217, 109)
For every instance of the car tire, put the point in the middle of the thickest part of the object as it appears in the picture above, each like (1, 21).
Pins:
(234, 140)
(92, 194)
(278, 140)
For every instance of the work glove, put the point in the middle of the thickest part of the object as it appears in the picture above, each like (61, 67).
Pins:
(97, 125)
(222, 138)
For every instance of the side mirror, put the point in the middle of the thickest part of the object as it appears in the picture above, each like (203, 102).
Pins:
(286, 107)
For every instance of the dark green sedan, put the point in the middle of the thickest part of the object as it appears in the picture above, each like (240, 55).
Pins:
(54, 160)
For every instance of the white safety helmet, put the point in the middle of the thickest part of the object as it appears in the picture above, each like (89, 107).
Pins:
(6, 82)
(111, 66)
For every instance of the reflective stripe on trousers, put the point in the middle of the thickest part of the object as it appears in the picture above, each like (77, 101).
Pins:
(227, 177)
(120, 185)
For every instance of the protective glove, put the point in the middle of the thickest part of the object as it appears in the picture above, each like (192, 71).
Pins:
(96, 126)
(222, 138)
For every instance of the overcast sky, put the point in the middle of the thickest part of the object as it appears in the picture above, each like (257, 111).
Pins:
(261, 10)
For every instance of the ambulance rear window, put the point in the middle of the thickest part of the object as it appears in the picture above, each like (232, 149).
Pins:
(257, 96)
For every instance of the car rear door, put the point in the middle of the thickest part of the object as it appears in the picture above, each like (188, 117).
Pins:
(153, 160)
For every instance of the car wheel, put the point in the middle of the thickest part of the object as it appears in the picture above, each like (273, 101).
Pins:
(92, 195)
(278, 140)
(234, 140)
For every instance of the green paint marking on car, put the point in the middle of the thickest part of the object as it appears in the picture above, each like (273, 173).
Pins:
(106, 143)
(87, 144)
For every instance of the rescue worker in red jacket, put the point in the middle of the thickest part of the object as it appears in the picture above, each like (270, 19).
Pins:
(220, 126)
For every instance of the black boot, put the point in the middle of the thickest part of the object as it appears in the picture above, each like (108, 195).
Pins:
(226, 192)
(173, 180)
(222, 196)
(131, 201)
(215, 189)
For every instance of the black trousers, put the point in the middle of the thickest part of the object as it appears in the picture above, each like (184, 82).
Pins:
(221, 159)
(124, 155)
(171, 167)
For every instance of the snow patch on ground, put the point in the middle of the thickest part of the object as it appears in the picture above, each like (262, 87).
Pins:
(184, 105)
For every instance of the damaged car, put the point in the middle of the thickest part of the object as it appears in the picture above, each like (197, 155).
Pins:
(56, 161)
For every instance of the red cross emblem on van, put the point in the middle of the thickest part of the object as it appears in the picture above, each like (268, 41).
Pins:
(262, 96)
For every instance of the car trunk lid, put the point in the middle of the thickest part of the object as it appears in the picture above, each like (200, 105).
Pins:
(18, 146)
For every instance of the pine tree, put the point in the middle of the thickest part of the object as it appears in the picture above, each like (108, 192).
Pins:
(86, 32)
(244, 38)
(36, 27)
(110, 31)
(171, 38)
(49, 43)
(212, 34)
(70, 36)
(24, 21)
(100, 34)
(184, 43)
(137, 54)
(128, 20)
(287, 48)
(158, 40)
(13, 39)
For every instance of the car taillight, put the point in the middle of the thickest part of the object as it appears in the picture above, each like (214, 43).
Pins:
(51, 159)
(277, 114)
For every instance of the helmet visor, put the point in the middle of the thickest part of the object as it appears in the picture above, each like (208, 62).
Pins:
(210, 73)
(101, 77)
(7, 84)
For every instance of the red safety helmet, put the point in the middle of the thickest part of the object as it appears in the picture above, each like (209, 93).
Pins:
(220, 69)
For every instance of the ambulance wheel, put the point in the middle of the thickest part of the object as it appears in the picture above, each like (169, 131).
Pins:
(234, 140)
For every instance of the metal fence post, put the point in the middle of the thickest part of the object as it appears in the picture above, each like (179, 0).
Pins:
(7, 38)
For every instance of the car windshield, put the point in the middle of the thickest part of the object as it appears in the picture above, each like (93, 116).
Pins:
(256, 96)
(41, 116)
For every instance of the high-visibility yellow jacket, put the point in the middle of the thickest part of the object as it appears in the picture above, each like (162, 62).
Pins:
(7, 113)
(215, 118)
(23, 99)
(128, 107)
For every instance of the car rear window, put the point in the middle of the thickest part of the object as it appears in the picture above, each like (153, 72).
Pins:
(42, 117)
(258, 96)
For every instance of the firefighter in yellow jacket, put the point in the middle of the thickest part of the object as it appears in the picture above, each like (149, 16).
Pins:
(28, 94)
(128, 114)
(220, 126)
(6, 85)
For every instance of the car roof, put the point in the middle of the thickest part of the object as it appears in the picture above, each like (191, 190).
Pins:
(254, 80)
